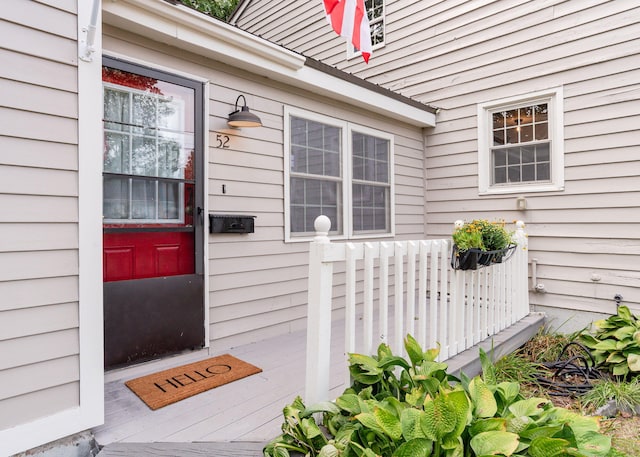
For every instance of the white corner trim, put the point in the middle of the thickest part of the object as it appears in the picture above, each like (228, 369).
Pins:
(205, 227)
(90, 146)
(184, 28)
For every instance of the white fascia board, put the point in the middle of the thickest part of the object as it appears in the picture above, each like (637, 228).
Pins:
(353, 94)
(184, 28)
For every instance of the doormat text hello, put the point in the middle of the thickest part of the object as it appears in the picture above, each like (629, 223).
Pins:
(169, 386)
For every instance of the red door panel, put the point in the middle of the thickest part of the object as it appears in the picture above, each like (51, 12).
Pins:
(138, 255)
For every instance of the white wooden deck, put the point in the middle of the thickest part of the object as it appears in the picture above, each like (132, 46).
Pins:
(247, 411)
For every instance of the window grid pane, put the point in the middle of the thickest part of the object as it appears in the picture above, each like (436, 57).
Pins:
(521, 164)
(520, 125)
(370, 208)
(311, 198)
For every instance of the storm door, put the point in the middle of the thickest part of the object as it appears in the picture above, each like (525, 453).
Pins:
(152, 214)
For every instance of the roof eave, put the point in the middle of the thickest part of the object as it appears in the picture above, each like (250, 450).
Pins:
(185, 28)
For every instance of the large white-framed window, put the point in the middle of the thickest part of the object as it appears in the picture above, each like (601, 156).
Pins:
(341, 170)
(521, 143)
(376, 15)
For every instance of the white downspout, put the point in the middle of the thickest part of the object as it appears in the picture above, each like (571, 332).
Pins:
(87, 53)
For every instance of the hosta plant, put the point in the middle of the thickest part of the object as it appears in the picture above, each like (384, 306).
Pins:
(615, 343)
(414, 408)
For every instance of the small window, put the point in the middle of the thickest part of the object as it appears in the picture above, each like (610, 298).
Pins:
(339, 170)
(375, 13)
(520, 144)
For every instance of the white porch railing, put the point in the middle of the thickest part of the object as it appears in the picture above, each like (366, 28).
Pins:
(429, 300)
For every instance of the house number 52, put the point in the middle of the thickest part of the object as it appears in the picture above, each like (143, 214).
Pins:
(222, 141)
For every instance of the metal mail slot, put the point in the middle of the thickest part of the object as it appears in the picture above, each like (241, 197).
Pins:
(230, 223)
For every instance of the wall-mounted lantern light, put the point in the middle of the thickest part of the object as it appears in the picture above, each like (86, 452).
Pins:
(243, 117)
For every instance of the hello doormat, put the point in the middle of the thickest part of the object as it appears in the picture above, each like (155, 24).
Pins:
(169, 386)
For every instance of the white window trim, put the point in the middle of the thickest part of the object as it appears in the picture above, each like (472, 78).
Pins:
(347, 219)
(554, 97)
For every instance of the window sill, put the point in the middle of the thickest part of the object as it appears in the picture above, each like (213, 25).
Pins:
(522, 189)
(308, 239)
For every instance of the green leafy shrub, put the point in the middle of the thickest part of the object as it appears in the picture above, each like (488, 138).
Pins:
(413, 408)
(615, 345)
(220, 9)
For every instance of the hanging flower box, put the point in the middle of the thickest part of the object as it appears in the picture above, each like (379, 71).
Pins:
(480, 243)
(474, 258)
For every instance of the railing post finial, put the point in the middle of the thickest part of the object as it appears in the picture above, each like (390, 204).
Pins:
(322, 225)
(520, 237)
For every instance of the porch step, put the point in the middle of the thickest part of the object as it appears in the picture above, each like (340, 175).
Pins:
(220, 449)
(501, 344)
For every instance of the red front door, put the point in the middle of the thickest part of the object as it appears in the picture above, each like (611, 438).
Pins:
(152, 199)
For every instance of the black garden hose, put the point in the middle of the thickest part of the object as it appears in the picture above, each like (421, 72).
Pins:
(581, 366)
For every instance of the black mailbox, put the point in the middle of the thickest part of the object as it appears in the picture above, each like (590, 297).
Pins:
(230, 223)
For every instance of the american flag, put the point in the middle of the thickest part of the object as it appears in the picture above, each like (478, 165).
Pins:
(349, 19)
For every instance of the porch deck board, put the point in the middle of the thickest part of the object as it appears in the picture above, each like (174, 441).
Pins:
(250, 409)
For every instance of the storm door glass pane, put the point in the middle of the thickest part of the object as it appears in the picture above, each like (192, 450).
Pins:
(169, 161)
(144, 113)
(117, 152)
(168, 200)
(143, 156)
(116, 198)
(143, 199)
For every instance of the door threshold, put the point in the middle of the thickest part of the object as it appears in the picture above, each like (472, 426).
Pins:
(152, 366)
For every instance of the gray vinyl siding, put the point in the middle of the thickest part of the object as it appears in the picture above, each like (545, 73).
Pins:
(38, 211)
(453, 54)
(257, 282)
(296, 24)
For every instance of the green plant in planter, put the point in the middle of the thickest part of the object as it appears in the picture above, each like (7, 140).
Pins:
(481, 234)
(406, 408)
(615, 345)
